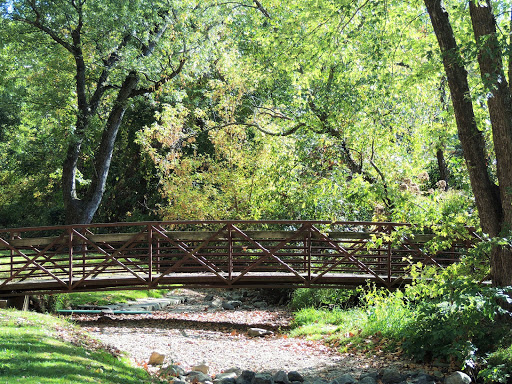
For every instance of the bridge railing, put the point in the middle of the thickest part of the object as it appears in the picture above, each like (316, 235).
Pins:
(211, 253)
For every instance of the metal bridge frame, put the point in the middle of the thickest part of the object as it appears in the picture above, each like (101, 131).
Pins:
(220, 254)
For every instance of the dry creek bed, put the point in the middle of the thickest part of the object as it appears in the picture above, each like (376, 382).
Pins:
(195, 332)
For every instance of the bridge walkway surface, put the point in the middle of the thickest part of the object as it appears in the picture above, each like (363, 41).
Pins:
(219, 254)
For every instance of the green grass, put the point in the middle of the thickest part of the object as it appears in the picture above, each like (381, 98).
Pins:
(107, 297)
(37, 348)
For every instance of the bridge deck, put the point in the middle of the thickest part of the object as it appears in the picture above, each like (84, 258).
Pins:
(223, 254)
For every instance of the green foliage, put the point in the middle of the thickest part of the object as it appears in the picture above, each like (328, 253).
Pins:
(443, 315)
(454, 317)
(322, 297)
(498, 365)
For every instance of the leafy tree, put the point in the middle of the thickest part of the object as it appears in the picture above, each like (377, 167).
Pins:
(103, 55)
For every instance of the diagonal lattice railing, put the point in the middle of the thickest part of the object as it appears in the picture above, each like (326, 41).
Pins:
(211, 254)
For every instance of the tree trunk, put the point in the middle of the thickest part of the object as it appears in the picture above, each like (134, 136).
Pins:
(471, 138)
(494, 204)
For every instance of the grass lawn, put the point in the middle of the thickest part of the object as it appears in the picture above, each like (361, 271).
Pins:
(107, 297)
(37, 348)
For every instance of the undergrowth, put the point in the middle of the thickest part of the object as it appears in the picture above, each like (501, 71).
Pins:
(443, 316)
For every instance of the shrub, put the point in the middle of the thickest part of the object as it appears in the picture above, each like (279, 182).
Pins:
(323, 298)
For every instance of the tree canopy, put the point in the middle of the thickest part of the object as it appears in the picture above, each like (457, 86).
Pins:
(330, 109)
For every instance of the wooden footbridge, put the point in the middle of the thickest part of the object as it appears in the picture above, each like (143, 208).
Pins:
(222, 254)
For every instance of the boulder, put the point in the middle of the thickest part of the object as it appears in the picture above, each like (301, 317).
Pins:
(344, 379)
(391, 375)
(458, 378)
(227, 305)
(200, 377)
(368, 380)
(156, 359)
(246, 377)
(172, 371)
(221, 377)
(263, 378)
(281, 377)
(295, 376)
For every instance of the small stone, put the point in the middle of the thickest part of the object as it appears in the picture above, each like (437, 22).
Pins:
(458, 378)
(263, 378)
(260, 304)
(255, 332)
(246, 377)
(198, 377)
(281, 377)
(201, 368)
(156, 359)
(295, 376)
(344, 379)
(208, 298)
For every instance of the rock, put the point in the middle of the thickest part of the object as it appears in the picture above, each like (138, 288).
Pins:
(200, 377)
(263, 378)
(344, 379)
(209, 298)
(246, 377)
(221, 377)
(458, 378)
(281, 377)
(255, 332)
(373, 374)
(227, 380)
(216, 303)
(235, 370)
(295, 376)
(156, 359)
(227, 305)
(201, 368)
(172, 371)
(368, 380)
(423, 379)
(391, 375)
(260, 304)
(235, 303)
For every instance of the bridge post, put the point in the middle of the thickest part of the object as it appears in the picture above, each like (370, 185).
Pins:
(18, 302)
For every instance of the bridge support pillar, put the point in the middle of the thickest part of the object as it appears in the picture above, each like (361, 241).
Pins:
(18, 302)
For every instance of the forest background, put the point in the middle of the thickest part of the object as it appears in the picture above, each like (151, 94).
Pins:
(300, 109)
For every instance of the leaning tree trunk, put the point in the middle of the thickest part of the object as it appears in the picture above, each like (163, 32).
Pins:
(494, 203)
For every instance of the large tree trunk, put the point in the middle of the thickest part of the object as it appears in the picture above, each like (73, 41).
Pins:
(471, 138)
(494, 203)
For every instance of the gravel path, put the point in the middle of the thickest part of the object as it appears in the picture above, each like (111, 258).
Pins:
(192, 333)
